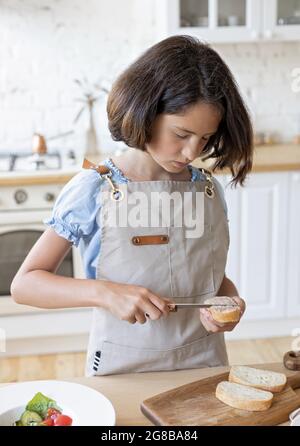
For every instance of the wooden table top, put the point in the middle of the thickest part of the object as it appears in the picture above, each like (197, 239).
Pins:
(127, 391)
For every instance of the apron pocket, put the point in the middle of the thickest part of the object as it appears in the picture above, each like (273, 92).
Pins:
(209, 351)
(142, 264)
(191, 260)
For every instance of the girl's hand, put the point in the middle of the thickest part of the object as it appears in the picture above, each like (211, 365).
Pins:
(134, 303)
(213, 326)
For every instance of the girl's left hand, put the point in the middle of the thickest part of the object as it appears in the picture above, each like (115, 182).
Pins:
(215, 327)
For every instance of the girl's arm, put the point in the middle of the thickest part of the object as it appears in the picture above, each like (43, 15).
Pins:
(227, 288)
(36, 284)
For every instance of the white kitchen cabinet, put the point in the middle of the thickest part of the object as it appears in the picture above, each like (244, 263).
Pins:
(225, 21)
(293, 266)
(264, 253)
(258, 254)
(281, 19)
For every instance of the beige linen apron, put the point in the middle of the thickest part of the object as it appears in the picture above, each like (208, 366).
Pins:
(169, 264)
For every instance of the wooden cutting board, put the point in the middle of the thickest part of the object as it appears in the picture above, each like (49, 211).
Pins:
(195, 404)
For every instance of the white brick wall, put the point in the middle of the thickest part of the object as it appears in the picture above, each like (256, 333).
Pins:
(264, 74)
(46, 44)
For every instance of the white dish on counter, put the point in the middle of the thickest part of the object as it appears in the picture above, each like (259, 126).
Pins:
(84, 405)
(295, 417)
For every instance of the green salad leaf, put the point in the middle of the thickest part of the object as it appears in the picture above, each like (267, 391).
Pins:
(40, 404)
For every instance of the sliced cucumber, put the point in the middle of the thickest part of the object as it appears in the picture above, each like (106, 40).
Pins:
(30, 418)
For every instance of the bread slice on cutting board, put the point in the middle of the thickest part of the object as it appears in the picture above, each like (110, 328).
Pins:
(260, 379)
(243, 397)
(224, 315)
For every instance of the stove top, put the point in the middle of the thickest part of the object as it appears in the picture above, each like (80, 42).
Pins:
(26, 162)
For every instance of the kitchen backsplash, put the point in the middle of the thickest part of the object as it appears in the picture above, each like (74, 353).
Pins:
(46, 44)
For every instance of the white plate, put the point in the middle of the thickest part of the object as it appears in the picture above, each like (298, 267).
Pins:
(295, 417)
(84, 405)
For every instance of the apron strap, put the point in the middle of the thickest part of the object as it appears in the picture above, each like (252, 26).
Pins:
(104, 172)
(101, 169)
(210, 187)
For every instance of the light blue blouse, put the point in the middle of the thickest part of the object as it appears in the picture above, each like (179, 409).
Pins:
(77, 207)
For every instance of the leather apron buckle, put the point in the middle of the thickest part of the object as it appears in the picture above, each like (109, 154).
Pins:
(104, 172)
(150, 240)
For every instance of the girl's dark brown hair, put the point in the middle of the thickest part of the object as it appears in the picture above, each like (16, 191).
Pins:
(171, 76)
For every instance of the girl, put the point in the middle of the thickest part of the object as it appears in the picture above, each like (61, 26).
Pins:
(176, 102)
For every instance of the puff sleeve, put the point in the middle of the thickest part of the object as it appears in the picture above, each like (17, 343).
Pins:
(75, 212)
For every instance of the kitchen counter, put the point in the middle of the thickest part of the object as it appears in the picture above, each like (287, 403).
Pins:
(127, 391)
(27, 178)
(268, 158)
(276, 158)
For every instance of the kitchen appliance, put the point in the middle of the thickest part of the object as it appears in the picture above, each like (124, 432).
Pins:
(23, 161)
(195, 404)
(25, 205)
(30, 183)
(26, 199)
(40, 158)
(22, 211)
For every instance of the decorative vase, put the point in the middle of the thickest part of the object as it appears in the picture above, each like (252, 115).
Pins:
(92, 150)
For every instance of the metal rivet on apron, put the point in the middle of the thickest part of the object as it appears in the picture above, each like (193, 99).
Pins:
(210, 187)
(209, 192)
(164, 238)
(117, 195)
(136, 240)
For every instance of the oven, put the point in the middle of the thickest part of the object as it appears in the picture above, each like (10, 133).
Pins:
(30, 182)
(22, 211)
(30, 330)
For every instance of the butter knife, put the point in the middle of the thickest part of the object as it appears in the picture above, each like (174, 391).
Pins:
(174, 307)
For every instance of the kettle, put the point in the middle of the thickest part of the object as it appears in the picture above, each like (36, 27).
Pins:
(39, 145)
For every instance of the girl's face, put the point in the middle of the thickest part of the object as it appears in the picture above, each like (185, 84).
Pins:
(179, 139)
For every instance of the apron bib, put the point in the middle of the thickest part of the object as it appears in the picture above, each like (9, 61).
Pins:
(169, 264)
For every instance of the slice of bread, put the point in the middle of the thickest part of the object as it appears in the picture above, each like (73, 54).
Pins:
(224, 314)
(243, 397)
(260, 379)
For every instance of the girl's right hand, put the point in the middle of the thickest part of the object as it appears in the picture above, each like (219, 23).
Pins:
(133, 303)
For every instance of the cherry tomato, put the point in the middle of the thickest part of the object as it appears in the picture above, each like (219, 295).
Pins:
(62, 420)
(47, 422)
(53, 413)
